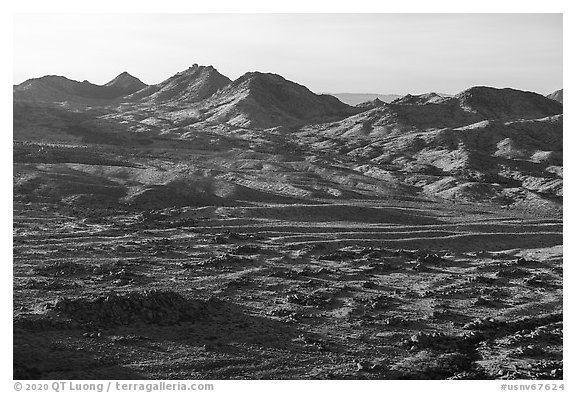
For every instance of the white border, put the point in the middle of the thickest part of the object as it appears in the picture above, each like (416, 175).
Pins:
(298, 6)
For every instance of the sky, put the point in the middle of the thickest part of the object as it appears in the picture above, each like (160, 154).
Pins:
(335, 53)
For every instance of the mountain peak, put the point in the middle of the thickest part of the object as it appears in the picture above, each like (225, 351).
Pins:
(125, 84)
(421, 99)
(263, 100)
(55, 88)
(507, 103)
(194, 69)
(558, 95)
(484, 93)
(259, 76)
(190, 85)
(367, 105)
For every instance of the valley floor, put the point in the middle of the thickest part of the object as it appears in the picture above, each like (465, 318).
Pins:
(333, 289)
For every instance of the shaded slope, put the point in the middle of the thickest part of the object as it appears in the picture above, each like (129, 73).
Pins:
(421, 99)
(484, 144)
(192, 85)
(46, 122)
(367, 105)
(507, 104)
(125, 84)
(432, 111)
(558, 95)
(267, 100)
(54, 88)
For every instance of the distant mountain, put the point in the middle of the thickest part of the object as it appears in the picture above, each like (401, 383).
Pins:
(558, 95)
(422, 99)
(355, 98)
(54, 88)
(432, 111)
(492, 103)
(502, 145)
(192, 85)
(125, 84)
(263, 100)
(376, 103)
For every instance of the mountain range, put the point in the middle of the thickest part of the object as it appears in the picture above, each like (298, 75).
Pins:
(484, 143)
(192, 85)
(360, 98)
(264, 100)
(210, 228)
(54, 88)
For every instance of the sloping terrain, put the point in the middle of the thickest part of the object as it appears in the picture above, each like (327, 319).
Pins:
(253, 229)
(187, 263)
(460, 148)
(44, 122)
(367, 105)
(409, 291)
(355, 98)
(192, 85)
(200, 99)
(558, 95)
(61, 89)
(125, 84)
(258, 100)
(507, 104)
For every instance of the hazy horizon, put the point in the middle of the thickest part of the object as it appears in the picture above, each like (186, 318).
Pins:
(331, 53)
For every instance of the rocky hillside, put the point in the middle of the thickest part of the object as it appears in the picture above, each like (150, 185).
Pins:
(483, 144)
(558, 95)
(506, 104)
(262, 100)
(432, 111)
(421, 99)
(358, 98)
(125, 84)
(375, 103)
(54, 88)
(192, 85)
